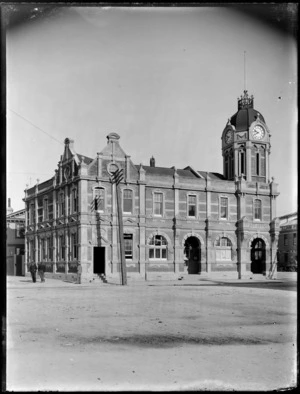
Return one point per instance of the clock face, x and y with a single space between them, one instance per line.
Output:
258 133
228 137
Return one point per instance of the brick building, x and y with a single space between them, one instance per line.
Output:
287 242
15 241
175 221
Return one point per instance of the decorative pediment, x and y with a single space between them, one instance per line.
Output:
129 220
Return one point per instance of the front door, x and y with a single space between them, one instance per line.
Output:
99 260
258 256
192 253
19 265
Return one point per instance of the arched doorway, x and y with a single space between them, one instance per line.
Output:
192 255
258 256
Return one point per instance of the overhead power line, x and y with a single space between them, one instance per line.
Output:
49 135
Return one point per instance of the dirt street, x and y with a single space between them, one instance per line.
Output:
151 336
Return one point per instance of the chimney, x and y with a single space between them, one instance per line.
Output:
9 208
152 162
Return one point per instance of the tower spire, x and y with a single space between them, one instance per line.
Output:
245 88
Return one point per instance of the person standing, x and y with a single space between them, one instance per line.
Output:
41 271
79 272
32 269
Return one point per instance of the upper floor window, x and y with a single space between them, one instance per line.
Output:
99 199
192 206
46 209
158 248
32 214
242 162
61 204
294 239
127 201
223 249
285 239
20 231
74 201
158 204
128 246
257 209
224 208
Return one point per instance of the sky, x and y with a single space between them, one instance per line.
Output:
166 79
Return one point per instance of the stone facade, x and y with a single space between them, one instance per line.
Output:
175 221
287 243
15 241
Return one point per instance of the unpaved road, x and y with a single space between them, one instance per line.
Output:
204 336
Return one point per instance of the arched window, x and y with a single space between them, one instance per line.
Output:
257 209
127 201
223 249
158 248
98 203
242 162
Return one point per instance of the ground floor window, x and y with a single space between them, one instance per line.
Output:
158 248
223 249
128 246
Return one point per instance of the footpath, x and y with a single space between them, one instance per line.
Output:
196 280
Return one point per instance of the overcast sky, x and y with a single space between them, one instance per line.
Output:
165 79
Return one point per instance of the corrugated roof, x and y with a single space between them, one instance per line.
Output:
186 173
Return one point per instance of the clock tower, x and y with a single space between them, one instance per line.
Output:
246 143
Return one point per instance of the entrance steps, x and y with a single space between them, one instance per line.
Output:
98 278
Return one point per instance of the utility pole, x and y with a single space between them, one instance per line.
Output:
117 178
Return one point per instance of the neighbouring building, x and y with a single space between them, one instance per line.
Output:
287 243
15 241
176 221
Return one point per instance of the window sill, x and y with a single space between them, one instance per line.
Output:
157 260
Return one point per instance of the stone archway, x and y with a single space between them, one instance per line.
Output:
192 255
258 256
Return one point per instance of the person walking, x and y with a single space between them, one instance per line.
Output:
79 272
41 271
32 269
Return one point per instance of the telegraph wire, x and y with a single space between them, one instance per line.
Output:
31 173
49 135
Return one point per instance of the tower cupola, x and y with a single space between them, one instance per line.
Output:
246 143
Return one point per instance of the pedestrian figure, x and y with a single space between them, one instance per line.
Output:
41 271
79 272
32 269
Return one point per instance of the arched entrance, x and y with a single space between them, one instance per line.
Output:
192 255
258 256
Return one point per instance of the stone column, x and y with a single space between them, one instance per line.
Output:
142 228
66 235
116 258
208 247
248 161
54 251
271 266
83 243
